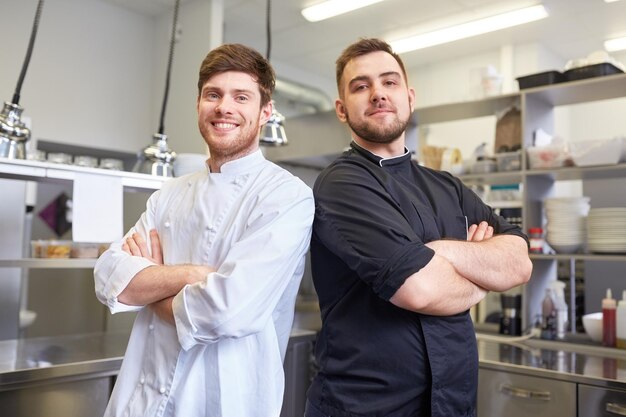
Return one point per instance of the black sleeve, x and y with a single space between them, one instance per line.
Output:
476 211
358 221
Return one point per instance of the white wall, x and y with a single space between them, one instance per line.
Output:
97 74
89 80
181 123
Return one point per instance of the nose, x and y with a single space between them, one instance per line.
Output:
378 94
223 106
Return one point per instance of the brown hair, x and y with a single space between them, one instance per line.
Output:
364 46
237 57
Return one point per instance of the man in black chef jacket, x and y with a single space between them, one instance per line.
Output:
394 264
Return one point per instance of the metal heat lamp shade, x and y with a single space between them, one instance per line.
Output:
13 133
273 133
156 159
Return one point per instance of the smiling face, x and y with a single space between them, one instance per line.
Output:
230 116
375 100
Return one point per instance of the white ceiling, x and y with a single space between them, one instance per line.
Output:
574 28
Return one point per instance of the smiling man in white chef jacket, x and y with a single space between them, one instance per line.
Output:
213 265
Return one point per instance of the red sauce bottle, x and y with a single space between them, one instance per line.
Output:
609 337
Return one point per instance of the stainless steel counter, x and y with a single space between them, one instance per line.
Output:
73 375
95 354
580 363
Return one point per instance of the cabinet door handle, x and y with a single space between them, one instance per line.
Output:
614 408
525 393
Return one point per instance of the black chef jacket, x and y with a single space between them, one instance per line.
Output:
372 219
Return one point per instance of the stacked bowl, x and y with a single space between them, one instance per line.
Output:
606 230
566 217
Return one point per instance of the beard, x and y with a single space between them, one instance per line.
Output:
378 133
231 148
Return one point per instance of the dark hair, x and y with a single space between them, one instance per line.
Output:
237 57
364 46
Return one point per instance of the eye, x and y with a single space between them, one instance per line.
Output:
390 82
211 96
242 99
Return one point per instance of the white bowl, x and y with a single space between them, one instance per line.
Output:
593 326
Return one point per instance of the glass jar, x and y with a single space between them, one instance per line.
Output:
535 239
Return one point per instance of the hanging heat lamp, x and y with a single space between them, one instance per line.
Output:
13 132
273 133
157 158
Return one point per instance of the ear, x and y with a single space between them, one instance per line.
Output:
198 104
340 109
266 112
411 99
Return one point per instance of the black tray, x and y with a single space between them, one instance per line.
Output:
539 79
590 71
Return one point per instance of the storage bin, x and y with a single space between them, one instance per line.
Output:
551 156
590 71
51 248
509 161
85 250
539 79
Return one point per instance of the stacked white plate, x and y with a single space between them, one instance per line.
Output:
566 223
606 230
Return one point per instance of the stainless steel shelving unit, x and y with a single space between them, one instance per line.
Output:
537 109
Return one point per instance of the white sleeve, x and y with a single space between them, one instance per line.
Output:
115 268
240 297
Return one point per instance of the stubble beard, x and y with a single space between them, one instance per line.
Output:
379 133
233 148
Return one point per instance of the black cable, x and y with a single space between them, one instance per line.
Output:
29 52
169 69
268 26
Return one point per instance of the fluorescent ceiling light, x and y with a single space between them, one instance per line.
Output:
332 8
617 44
610 1
469 29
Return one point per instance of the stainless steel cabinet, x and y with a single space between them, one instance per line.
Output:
512 395
600 402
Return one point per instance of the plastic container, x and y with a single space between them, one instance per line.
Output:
608 320
509 161
86 161
51 248
484 166
550 156
112 163
84 250
620 322
60 158
539 79
590 71
548 313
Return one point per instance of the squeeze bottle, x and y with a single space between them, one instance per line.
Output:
620 321
608 319
548 312
558 295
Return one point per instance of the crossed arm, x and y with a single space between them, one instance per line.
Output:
462 272
157 285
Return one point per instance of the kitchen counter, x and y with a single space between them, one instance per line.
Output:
573 362
36 360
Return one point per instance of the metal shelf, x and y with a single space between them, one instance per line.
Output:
49 172
579 256
581 173
49 263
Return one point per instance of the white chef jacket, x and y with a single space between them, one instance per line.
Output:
252 222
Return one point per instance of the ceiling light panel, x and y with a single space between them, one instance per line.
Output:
469 29
331 8
617 44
